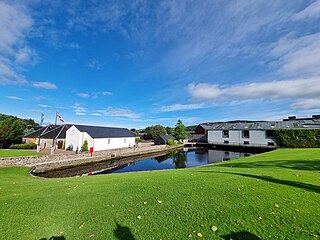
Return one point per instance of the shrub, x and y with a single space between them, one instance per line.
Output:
29 145
171 142
85 145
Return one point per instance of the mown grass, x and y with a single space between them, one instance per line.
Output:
17 153
274 195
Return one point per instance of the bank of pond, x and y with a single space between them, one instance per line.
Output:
181 158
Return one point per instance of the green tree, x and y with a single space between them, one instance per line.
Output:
169 130
85 145
155 131
180 131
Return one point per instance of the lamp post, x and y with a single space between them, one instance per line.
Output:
53 138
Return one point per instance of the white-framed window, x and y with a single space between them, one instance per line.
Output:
225 133
109 140
245 134
125 140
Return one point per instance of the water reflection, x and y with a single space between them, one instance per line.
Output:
180 160
184 158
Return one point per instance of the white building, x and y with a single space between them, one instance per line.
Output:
100 138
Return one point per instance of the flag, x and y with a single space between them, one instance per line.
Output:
42 118
60 118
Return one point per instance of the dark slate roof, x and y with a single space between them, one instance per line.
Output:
57 133
49 131
105 132
166 137
264 125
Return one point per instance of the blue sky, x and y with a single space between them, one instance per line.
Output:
140 63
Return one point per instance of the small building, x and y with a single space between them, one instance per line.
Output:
100 138
163 139
45 135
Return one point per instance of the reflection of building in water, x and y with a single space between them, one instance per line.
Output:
201 155
219 156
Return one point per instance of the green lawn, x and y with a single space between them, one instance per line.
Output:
275 195
17 153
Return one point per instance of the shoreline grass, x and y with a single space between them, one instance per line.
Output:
274 195
18 153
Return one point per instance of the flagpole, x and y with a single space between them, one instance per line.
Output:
55 123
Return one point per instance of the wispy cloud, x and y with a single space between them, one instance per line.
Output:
15 98
79 109
182 107
305 104
15 25
96 114
299 55
119 112
95 64
304 91
94 94
311 11
44 106
45 85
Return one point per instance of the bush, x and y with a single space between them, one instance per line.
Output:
171 142
85 145
29 145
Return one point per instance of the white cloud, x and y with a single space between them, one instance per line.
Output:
79 109
44 106
84 95
119 112
303 92
96 114
298 56
81 113
182 107
15 98
15 25
313 10
94 94
46 85
95 64
306 104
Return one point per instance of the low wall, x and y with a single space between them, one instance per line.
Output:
49 162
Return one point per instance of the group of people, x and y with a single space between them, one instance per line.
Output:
70 148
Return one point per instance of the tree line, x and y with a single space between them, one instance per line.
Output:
179 132
12 129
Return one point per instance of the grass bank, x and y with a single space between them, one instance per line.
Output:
268 196
17 153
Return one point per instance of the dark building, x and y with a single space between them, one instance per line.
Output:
163 139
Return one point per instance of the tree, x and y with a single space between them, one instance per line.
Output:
155 131
169 130
85 145
180 131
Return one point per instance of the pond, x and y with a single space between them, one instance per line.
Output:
182 158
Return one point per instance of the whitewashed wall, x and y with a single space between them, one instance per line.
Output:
102 143
257 137
76 138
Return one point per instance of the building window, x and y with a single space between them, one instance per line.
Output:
226 142
225 133
246 143
270 143
269 134
108 141
125 140
245 134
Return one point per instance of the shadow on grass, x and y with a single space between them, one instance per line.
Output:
311 165
305 186
54 238
243 235
123 233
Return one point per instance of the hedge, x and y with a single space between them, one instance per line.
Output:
297 138
30 145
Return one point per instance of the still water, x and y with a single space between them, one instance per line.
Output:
184 158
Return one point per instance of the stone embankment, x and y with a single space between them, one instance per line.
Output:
50 162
